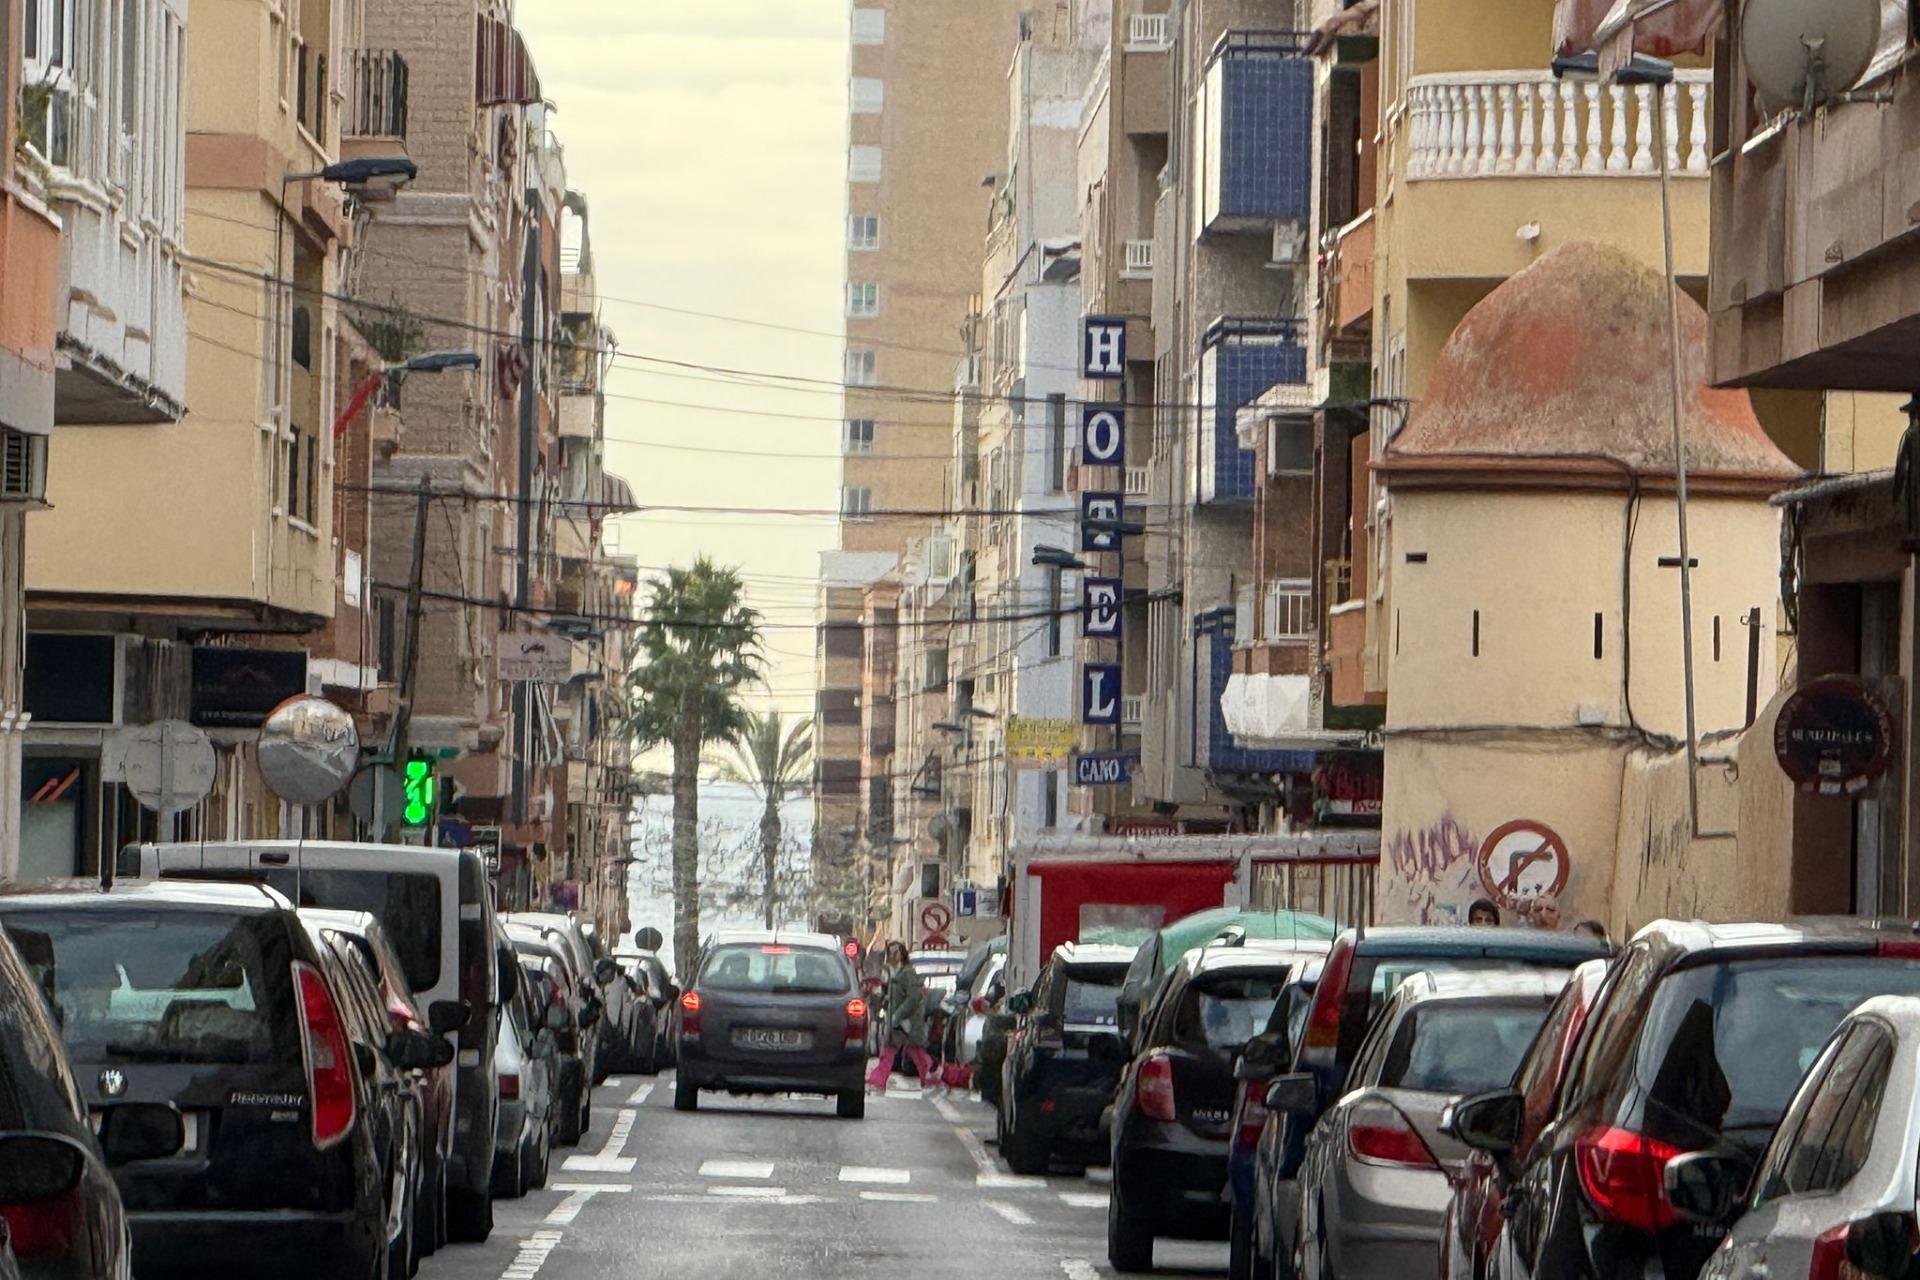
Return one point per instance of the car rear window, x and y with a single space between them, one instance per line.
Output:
1461 1046
1093 995
1374 978
1724 1046
169 986
1226 1011
775 967
407 904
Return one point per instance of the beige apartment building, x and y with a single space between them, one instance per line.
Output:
927 105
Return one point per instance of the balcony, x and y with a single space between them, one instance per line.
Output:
1256 121
1149 33
1241 360
1349 280
1286 611
1491 124
1138 481
378 105
1139 261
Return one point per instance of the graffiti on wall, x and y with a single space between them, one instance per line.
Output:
1438 872
1431 868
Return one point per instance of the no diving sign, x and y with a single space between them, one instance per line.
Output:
1523 862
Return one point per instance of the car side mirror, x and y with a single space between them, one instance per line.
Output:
1265 1054
1488 1122
1704 1186
1020 1003
413 1051
141 1131
1881 1247
38 1166
605 971
557 1018
448 1016
1293 1095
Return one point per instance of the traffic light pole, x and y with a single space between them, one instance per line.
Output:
409 662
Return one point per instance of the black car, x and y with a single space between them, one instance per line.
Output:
773 1012
1173 1111
1360 972
1696 1041
1063 1059
213 1000
662 993
392 1061
61 1216
576 1045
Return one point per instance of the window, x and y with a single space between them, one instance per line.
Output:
869 26
863 231
1050 799
856 501
1826 1137
859 435
860 368
866 95
863 164
1054 610
1056 442
863 300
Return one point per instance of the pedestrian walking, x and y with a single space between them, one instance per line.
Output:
904 1004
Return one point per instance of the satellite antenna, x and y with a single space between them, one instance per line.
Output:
1803 54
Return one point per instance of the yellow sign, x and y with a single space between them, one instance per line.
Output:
1049 740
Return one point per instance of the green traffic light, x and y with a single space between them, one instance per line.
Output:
419 786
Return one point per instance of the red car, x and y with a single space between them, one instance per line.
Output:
1471 1225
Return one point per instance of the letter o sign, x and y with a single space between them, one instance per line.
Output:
1103 437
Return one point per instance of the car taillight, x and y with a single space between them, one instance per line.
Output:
1624 1176
1907 949
49 1228
980 1005
1153 1088
509 1086
1323 1022
856 1021
690 1016
1252 1110
329 1061
1383 1136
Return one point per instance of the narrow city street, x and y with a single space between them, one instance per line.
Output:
781 1189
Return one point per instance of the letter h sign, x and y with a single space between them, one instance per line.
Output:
1103 355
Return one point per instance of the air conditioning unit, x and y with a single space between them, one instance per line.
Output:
1289 446
23 467
1289 244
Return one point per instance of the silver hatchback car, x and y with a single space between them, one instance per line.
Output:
1833 1193
1374 1185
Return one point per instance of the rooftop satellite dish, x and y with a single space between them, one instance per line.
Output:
1807 53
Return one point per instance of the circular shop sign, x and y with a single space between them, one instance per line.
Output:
1833 737
1523 862
934 917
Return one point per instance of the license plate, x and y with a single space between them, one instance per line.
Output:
772 1038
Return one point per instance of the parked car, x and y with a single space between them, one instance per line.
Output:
773 1012
1470 1228
1359 974
1173 1108
391 1063
1268 1054
523 1142
1697 1041
577 1043
1373 1185
437 908
646 1000
980 1001
1164 947
663 993
601 977
1063 1060
61 1215
213 1000
435 1084
1833 1193
954 1005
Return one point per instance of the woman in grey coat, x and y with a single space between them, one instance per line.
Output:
904 1004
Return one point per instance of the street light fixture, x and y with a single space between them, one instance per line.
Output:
1125 528
437 362
1045 557
981 713
948 726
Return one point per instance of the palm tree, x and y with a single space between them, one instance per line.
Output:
699 648
776 762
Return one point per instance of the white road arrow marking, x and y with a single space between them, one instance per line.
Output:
609 1160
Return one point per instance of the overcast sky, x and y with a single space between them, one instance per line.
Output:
708 137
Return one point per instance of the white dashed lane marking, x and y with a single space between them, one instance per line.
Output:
640 1096
745 1169
1007 1181
864 1173
899 1197
609 1160
749 1193
1018 1217
578 1194
531 1256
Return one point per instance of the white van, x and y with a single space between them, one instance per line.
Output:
436 906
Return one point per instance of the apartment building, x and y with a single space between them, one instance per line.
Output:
30 277
927 106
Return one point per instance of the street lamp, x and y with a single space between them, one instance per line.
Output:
1125 528
981 713
1046 557
433 362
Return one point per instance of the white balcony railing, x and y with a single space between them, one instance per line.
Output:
1132 709
1288 610
1137 481
1149 33
1139 263
1527 124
